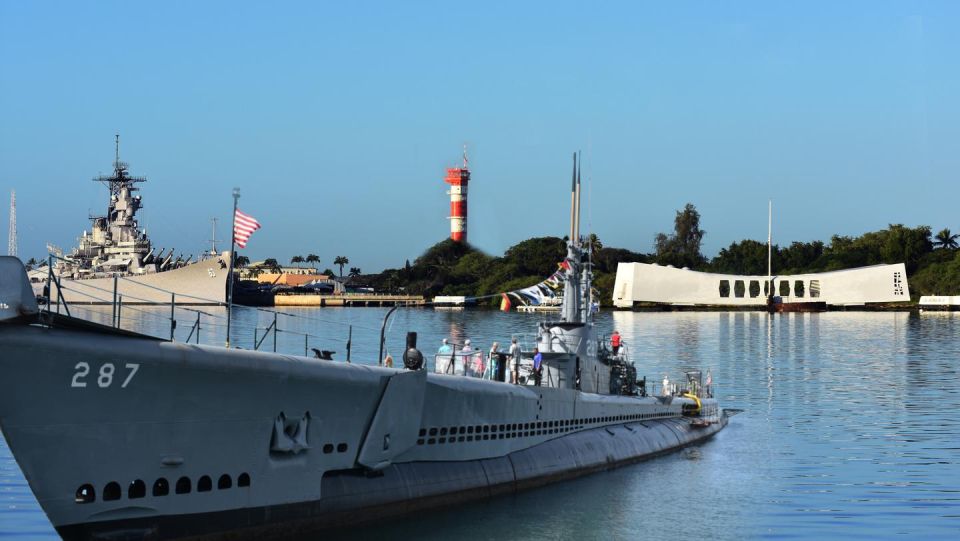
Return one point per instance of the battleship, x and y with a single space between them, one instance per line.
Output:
117 259
125 436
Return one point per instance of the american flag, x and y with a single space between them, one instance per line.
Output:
243 226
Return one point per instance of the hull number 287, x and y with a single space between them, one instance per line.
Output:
104 377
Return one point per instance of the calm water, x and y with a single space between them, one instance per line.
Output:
851 428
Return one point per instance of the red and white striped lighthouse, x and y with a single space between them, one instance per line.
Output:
458 178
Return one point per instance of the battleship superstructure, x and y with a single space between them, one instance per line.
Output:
124 436
116 245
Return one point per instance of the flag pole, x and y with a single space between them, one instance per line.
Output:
233 243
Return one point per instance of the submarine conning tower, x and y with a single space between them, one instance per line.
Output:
569 345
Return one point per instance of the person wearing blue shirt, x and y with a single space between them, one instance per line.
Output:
445 356
537 366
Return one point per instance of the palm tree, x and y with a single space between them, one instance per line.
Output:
272 264
595 245
313 260
945 240
241 261
341 261
355 271
296 260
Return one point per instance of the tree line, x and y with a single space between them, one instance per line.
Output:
932 261
273 266
450 268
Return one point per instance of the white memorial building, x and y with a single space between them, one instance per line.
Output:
652 284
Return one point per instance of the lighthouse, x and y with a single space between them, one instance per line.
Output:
458 178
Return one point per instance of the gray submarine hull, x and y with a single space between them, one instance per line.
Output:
268 444
355 496
124 436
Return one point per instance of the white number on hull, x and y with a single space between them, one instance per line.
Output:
82 369
105 376
132 367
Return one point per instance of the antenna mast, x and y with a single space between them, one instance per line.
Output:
12 240
769 239
213 238
577 214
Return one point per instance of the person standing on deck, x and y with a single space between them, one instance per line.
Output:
493 362
515 359
615 342
537 366
446 354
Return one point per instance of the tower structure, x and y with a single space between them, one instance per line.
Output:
458 178
213 238
12 239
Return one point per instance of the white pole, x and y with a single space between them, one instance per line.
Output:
233 242
769 239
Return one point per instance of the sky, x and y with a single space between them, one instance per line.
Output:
336 119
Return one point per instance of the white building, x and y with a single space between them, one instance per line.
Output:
654 284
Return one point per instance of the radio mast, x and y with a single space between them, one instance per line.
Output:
12 239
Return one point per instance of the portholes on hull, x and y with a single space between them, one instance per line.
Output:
85 494
205 484
161 487
111 492
184 486
137 489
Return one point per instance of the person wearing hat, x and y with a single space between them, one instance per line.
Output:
466 346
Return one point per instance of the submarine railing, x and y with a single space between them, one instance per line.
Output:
121 304
117 317
653 388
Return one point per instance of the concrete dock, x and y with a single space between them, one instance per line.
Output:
348 299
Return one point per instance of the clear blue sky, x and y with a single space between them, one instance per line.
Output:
337 119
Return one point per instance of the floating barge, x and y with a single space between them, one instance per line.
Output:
348 299
940 303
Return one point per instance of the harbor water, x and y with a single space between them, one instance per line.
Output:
850 426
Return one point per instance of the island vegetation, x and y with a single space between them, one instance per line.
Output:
450 268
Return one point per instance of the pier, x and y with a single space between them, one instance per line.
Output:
349 299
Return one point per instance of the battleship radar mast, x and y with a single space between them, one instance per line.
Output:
121 178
